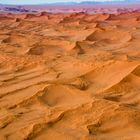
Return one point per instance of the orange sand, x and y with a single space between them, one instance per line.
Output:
70 77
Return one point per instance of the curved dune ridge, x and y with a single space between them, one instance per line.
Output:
70 76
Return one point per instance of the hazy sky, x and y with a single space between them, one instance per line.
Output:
42 1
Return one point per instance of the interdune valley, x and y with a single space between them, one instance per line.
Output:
72 76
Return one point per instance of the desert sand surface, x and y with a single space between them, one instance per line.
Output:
70 76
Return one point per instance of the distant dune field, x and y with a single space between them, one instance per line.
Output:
72 76
70 8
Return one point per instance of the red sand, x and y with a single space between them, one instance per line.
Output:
70 77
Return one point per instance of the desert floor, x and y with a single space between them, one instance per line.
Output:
70 76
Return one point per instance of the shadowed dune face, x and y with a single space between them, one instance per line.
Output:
70 76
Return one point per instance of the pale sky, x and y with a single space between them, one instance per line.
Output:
42 1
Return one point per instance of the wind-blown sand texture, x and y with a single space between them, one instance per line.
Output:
70 76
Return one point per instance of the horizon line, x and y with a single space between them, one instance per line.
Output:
83 2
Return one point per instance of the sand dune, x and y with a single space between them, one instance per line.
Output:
70 76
